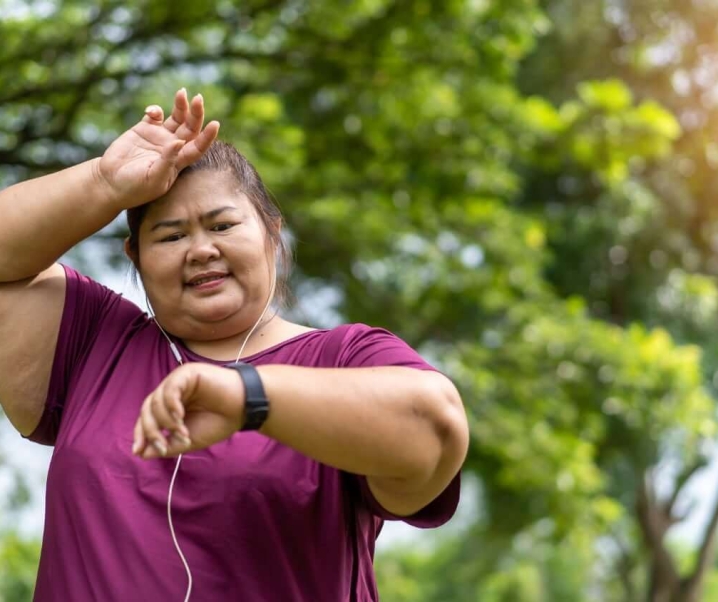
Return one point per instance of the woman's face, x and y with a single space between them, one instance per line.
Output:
204 258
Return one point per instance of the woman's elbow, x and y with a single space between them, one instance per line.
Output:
450 425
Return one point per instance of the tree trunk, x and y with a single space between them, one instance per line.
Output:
664 586
664 582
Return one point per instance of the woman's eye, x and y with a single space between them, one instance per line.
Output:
171 238
221 227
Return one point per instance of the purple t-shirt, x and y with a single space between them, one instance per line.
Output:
256 520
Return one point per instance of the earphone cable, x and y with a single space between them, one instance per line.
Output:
178 357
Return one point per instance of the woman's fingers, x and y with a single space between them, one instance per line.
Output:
150 427
171 151
138 442
160 429
194 149
163 411
169 411
186 119
153 114
195 117
191 126
165 169
187 140
179 111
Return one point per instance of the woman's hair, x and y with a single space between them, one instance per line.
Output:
223 157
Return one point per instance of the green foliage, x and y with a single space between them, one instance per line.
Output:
18 567
528 568
593 402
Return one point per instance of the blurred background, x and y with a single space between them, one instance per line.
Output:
524 190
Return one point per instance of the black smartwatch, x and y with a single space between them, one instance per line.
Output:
256 404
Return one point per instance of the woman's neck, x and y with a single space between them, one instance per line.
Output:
269 333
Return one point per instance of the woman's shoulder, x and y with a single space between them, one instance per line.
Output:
285 333
293 334
341 345
90 304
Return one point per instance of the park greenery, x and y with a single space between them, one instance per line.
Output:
522 189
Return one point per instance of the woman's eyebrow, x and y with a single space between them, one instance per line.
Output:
176 223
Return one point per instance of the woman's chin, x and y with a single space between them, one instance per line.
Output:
211 319
216 313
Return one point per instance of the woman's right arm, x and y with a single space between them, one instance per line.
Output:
30 314
41 219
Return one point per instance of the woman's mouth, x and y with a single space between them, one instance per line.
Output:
207 282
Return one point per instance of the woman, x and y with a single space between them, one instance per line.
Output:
294 457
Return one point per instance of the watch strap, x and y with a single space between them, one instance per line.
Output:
256 404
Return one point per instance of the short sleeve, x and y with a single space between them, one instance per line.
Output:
364 346
88 306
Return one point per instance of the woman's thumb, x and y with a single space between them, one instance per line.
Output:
172 151
165 168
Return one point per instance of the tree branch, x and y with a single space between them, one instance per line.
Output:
56 87
55 46
706 556
681 482
654 524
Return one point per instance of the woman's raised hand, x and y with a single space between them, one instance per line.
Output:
144 162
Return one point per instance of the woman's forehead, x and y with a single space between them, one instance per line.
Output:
199 193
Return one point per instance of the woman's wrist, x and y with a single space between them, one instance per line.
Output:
101 190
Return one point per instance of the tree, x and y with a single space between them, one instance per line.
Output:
443 180
653 259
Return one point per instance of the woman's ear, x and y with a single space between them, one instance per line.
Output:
131 254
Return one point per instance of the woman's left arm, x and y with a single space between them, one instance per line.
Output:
404 429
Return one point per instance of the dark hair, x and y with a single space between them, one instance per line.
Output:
223 157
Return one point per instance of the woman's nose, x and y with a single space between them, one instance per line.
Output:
202 249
